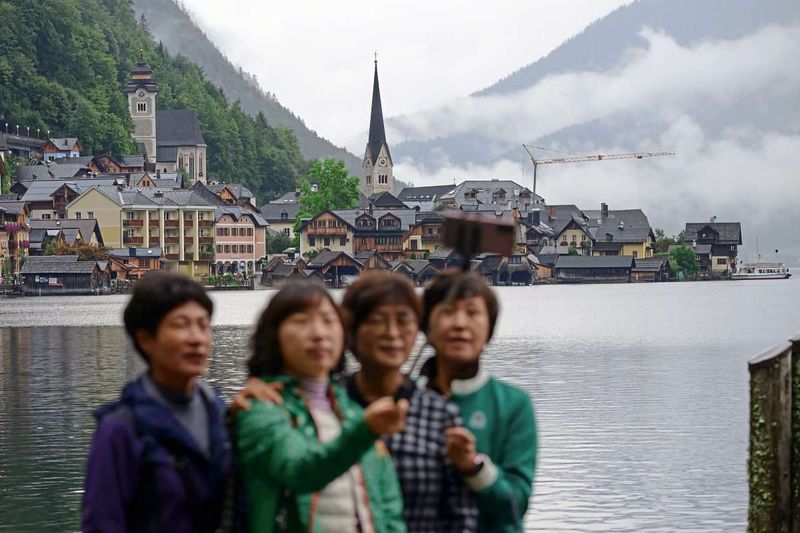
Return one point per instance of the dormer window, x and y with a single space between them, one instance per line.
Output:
141 107
284 215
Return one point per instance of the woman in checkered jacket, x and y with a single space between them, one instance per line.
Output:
382 316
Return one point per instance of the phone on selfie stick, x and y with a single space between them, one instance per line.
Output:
472 234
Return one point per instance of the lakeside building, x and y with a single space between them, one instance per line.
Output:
66 230
130 264
621 232
14 236
240 240
281 214
722 239
593 269
179 222
64 274
61 148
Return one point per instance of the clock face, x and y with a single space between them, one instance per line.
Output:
140 94
383 162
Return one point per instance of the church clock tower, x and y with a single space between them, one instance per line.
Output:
377 166
142 91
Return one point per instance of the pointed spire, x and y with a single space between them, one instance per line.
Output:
377 133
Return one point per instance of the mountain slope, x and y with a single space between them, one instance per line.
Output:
174 27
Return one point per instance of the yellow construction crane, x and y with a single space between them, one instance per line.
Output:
584 158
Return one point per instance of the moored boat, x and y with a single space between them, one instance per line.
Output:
762 271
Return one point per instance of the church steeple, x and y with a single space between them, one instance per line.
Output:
377 165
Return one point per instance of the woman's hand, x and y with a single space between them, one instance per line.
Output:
258 389
460 449
384 416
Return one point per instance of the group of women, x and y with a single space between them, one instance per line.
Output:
306 446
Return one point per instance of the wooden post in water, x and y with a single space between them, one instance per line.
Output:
770 459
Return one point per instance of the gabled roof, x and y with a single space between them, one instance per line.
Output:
729 232
485 191
57 264
64 143
14 207
272 211
423 194
386 200
594 261
135 252
650 264
86 226
323 258
238 191
237 213
41 190
178 128
620 226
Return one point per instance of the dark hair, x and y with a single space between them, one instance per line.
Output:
267 357
371 290
456 285
154 296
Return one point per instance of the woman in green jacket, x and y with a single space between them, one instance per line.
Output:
314 461
496 450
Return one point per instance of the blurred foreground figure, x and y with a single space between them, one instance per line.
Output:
382 314
496 450
160 457
313 461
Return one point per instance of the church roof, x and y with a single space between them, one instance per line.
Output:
178 128
377 132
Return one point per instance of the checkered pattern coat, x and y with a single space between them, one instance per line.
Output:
435 498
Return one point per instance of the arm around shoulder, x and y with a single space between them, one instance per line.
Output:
268 445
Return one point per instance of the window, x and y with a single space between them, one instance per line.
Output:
45 216
219 248
78 215
227 248
141 107
235 232
312 241
414 244
326 241
722 260
635 254
342 241
130 215
219 232
286 231
369 179
90 214
235 248
284 215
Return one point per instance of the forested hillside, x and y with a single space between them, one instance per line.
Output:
63 67
172 25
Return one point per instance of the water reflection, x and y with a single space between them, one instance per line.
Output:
640 393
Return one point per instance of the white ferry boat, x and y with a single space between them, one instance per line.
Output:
762 271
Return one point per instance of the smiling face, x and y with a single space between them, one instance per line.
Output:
178 351
458 331
386 337
312 341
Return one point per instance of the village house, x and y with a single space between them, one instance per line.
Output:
73 231
61 148
130 264
281 214
234 195
621 232
424 236
14 236
724 239
48 199
326 231
426 198
534 234
240 238
501 195
575 234
651 269
381 231
181 223
419 271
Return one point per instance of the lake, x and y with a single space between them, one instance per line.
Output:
640 391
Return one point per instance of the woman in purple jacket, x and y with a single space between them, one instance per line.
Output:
160 458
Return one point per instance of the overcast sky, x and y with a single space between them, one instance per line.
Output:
428 52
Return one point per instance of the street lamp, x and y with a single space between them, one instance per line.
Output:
37 133
29 131
6 127
17 129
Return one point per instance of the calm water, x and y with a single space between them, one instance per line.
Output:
640 393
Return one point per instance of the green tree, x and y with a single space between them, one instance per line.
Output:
684 259
279 243
573 250
663 242
335 189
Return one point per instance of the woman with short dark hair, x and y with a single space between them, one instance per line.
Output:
496 449
313 461
382 313
160 457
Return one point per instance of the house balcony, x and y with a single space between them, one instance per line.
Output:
133 223
392 248
171 223
188 223
132 240
326 231
431 238
153 223
171 240
188 240
154 241
205 223
172 257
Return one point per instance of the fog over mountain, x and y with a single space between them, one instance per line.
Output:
716 81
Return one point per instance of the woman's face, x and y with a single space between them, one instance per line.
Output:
180 347
312 341
458 331
386 337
